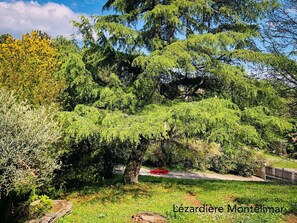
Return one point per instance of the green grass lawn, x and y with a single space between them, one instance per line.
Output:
281 162
114 202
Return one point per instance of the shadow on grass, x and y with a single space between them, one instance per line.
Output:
111 190
117 194
177 184
291 207
244 193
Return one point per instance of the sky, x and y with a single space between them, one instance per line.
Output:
52 17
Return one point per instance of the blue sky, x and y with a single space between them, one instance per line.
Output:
53 17
85 6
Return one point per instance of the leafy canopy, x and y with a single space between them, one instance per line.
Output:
28 67
175 70
27 145
215 120
179 52
157 46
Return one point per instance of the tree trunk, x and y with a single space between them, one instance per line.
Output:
108 170
108 163
134 162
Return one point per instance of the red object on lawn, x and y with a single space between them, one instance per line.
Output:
159 171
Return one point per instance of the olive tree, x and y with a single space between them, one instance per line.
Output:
27 138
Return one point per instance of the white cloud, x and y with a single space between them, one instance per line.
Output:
21 17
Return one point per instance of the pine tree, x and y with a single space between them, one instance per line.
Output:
178 51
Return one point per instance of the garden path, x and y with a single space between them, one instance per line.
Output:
144 171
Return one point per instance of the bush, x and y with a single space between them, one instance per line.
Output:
39 205
29 66
185 154
27 136
246 162
200 155
243 162
222 164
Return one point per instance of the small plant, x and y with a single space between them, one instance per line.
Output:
39 205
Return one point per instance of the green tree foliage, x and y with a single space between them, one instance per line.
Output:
170 69
270 128
80 86
28 67
212 120
89 82
190 44
279 36
85 149
215 120
27 139
281 73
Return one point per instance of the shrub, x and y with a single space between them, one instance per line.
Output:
185 154
246 162
27 138
39 205
201 155
243 162
222 163
28 66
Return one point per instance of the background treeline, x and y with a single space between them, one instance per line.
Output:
181 83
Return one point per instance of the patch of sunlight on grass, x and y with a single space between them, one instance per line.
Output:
280 162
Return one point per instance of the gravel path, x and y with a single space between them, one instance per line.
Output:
144 171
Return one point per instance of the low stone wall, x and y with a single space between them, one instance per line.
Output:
272 173
280 174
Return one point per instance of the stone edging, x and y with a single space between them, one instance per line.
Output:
60 209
